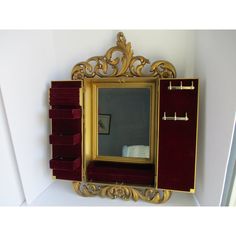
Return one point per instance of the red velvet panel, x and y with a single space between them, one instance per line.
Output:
66 130
65 164
65 84
65 139
66 127
68 175
66 151
111 172
65 113
177 139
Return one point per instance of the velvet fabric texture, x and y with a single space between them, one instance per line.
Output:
68 92
65 113
65 164
64 96
126 173
66 151
66 84
177 139
71 101
66 141
68 175
66 126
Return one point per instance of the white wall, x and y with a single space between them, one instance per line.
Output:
27 62
11 191
215 65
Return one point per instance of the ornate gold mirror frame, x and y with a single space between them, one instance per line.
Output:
118 64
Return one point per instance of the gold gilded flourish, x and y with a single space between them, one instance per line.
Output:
119 61
123 192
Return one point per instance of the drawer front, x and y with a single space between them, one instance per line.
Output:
65 139
65 113
66 151
69 92
64 101
64 96
65 164
68 175
66 84
66 126
178 106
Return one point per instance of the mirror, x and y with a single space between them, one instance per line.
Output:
124 122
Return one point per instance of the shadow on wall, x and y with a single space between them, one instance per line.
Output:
201 136
230 173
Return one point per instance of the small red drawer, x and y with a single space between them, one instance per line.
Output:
66 126
66 151
64 101
65 139
65 164
65 113
64 91
68 175
126 173
66 84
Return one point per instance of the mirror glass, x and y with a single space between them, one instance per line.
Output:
124 122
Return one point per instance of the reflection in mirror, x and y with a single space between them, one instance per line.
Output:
123 122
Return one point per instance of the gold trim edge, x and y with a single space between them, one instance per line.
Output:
124 192
120 61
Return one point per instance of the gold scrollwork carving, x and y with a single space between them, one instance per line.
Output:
123 192
122 65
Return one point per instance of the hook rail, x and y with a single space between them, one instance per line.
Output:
175 117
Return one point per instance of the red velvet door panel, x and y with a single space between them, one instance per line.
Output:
66 140
178 108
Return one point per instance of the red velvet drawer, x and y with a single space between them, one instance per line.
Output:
68 175
64 92
65 164
66 84
65 113
64 96
132 180
65 139
66 126
126 173
64 101
66 151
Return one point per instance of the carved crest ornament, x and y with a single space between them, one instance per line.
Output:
117 62
122 65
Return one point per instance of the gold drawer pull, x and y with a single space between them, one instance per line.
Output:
180 87
175 117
